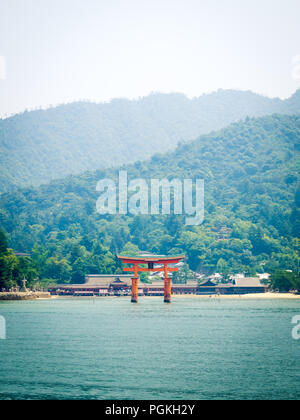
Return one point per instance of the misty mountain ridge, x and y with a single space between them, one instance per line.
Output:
39 146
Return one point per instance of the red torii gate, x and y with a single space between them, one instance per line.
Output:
151 261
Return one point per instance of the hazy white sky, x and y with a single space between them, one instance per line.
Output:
55 51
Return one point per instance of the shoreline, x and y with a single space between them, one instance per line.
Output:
19 296
267 295
22 296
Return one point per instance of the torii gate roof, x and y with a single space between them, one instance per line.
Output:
155 259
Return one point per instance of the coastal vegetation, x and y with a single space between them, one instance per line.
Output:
252 211
14 269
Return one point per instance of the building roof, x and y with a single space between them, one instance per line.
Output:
264 276
207 283
248 282
157 259
77 286
104 280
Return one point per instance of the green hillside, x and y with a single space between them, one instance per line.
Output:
252 202
38 146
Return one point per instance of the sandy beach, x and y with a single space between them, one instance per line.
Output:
268 295
253 296
46 296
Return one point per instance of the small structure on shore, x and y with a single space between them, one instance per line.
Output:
24 288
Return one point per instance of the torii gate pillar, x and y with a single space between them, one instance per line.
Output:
167 285
134 289
135 284
167 290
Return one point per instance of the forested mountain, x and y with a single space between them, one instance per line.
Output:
38 146
252 208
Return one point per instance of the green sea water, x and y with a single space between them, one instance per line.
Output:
108 348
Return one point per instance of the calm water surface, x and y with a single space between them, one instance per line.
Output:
110 349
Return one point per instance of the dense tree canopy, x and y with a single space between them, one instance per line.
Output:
252 207
284 281
13 269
